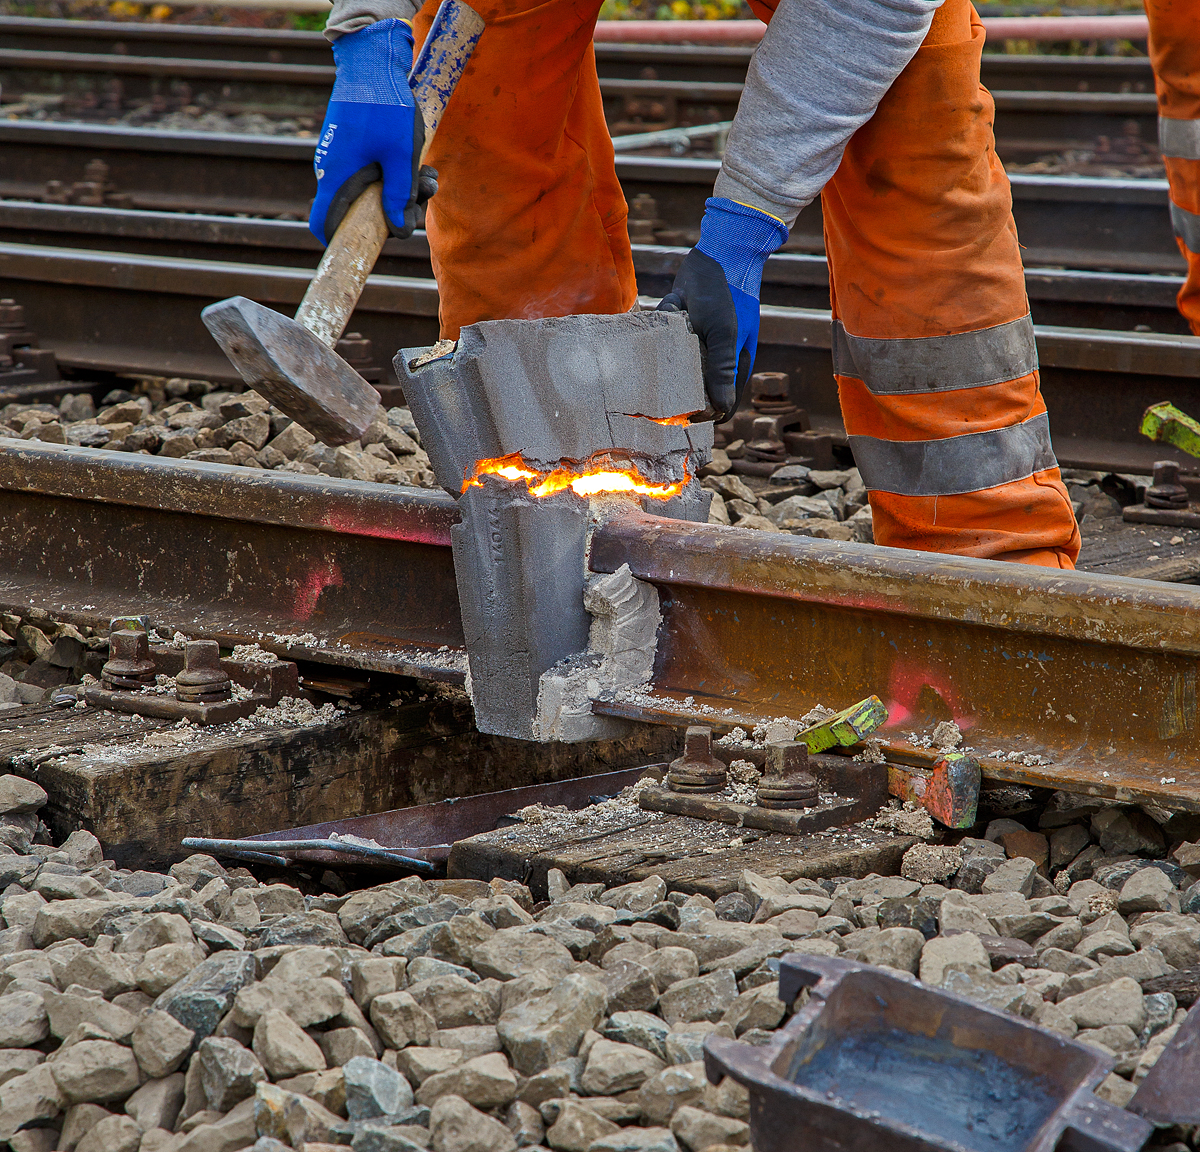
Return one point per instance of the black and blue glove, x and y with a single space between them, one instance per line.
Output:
718 286
373 130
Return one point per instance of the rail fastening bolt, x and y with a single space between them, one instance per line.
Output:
129 665
202 680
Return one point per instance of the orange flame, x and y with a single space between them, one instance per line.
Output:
599 474
674 421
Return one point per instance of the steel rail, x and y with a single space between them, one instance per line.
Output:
614 59
123 312
344 573
319 76
1065 297
1089 681
1035 28
183 41
126 312
1105 224
1094 675
1026 122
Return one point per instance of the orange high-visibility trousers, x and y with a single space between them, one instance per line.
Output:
531 221
933 345
1175 54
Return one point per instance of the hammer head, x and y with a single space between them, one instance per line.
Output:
288 365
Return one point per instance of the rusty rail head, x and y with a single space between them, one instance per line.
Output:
1143 614
287 499
318 568
1059 679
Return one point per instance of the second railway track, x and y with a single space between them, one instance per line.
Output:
1059 296
107 312
1075 222
690 62
1028 123
101 70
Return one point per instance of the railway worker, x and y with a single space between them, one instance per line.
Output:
876 106
1175 54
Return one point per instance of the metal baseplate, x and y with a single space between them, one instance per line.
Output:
411 839
945 782
170 708
1188 517
851 791
235 688
802 789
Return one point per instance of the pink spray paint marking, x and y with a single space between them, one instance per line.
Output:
327 575
905 682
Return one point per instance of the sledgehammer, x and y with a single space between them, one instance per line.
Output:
292 362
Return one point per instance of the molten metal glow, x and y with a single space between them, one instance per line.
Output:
675 421
600 474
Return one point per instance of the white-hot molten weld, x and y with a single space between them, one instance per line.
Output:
599 473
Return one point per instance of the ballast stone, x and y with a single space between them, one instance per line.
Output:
228 1072
455 1126
23 1020
160 1043
19 796
205 994
93 1071
540 1032
112 1134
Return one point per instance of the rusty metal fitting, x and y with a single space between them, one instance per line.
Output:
765 443
770 393
203 680
12 315
355 348
786 781
643 218
697 770
1166 492
129 665
88 194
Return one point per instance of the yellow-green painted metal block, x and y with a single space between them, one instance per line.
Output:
849 726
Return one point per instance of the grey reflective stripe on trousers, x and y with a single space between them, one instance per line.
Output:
937 363
1187 227
958 464
1180 138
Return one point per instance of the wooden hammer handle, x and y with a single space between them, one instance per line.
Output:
351 253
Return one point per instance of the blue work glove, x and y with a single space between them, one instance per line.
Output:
373 129
717 286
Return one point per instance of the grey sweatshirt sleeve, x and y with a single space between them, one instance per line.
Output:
818 75
351 15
